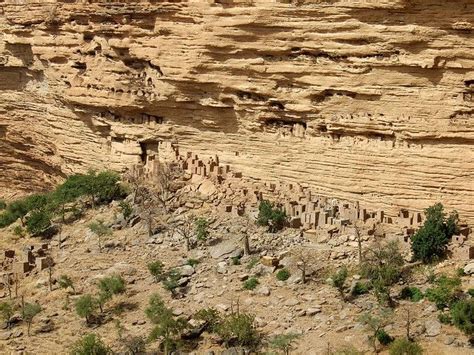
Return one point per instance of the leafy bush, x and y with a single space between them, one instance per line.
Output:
405 347
283 275
3 205
38 222
445 318
235 260
19 231
361 288
238 329
85 307
6 312
201 228
28 312
431 240
271 216
171 282
463 316
108 287
192 262
210 316
65 282
470 292
167 327
156 269
339 279
251 283
460 272
446 292
100 230
90 344
413 294
126 209
383 337
283 342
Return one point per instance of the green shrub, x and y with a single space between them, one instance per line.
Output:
156 269
85 307
361 288
283 275
19 231
462 315
252 262
201 228
171 282
413 294
446 292
271 216
238 329
6 312
3 205
471 292
90 344
339 279
430 241
283 342
383 337
460 272
210 316
405 347
445 318
28 312
126 209
167 327
251 283
235 260
38 222
65 282
108 287
192 262
100 230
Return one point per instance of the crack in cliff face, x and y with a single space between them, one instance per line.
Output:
350 97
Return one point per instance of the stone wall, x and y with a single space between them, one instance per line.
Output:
368 101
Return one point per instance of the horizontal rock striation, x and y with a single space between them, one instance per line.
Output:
362 100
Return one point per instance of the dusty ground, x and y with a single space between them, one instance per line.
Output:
282 311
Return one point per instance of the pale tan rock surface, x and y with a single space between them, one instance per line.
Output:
363 100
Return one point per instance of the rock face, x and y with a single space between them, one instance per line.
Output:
363 100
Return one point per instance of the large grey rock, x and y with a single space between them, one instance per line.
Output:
186 270
433 328
225 249
222 267
263 290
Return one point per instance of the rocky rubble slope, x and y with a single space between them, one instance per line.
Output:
363 100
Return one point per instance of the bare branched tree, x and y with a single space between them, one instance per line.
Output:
306 261
186 230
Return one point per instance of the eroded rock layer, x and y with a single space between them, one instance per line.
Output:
363 100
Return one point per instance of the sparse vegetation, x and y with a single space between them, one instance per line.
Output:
411 293
126 209
66 282
156 269
201 228
108 287
100 230
283 275
90 344
462 315
339 279
361 288
272 217
171 281
430 241
192 262
283 342
6 312
376 323
238 329
168 328
251 283
405 347
85 307
29 312
211 317
446 291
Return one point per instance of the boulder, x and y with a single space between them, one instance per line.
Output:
222 267
263 290
225 249
433 327
186 270
269 261
469 269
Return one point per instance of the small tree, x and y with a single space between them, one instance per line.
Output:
339 279
126 209
135 345
201 228
463 317
66 282
238 329
90 344
271 216
171 282
167 326
28 312
283 342
305 259
100 230
6 312
186 230
383 267
108 287
405 347
85 307
375 324
431 240
156 269
38 221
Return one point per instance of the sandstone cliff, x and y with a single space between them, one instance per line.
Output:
363 100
